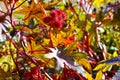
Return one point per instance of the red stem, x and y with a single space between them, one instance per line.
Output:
6 5
88 44
3 12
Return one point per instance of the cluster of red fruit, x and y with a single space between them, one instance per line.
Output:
33 74
55 19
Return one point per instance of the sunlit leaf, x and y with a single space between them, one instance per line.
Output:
89 77
56 39
34 48
99 66
79 55
115 54
98 3
7 63
107 68
62 38
32 11
99 75
86 64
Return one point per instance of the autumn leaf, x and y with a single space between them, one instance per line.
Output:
56 39
38 52
33 49
89 76
6 75
99 2
31 11
34 10
7 63
99 66
62 38
99 75
115 54
67 41
86 63
107 68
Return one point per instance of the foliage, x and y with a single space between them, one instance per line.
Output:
59 39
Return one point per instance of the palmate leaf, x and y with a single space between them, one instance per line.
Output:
33 48
62 38
32 11
37 51
56 39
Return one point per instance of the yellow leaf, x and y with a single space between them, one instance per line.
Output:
98 3
99 75
99 66
7 63
56 39
34 10
85 63
46 41
79 56
51 63
115 54
34 48
107 68
89 77
31 11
